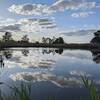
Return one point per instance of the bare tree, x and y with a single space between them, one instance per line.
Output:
25 39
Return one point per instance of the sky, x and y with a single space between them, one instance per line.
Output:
74 20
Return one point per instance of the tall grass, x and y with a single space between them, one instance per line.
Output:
18 93
91 88
23 92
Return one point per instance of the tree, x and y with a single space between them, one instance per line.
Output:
59 41
7 37
97 34
25 39
96 39
43 40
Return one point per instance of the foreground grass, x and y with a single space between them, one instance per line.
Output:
91 88
22 93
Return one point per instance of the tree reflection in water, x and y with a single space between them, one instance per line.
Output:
7 54
1 61
96 56
25 52
53 51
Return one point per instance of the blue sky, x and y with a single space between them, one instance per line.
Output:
62 16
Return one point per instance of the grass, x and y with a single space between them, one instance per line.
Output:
22 93
91 88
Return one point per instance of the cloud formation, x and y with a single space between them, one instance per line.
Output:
27 25
29 9
82 14
59 5
79 32
15 28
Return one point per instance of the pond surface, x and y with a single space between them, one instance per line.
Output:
52 72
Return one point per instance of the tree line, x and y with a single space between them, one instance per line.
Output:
7 38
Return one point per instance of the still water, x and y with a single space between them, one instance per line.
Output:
52 72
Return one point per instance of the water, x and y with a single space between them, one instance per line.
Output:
52 72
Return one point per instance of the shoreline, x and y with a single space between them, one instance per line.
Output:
87 46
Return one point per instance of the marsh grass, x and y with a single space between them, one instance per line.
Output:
18 93
91 88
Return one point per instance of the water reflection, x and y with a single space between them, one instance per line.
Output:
53 51
7 53
96 56
54 68
1 61
34 59
72 80
59 81
25 52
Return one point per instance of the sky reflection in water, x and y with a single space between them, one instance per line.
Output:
57 69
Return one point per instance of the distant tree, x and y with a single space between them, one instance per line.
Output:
53 39
43 40
97 34
7 37
46 40
59 41
96 39
25 39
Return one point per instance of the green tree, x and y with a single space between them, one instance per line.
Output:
7 37
59 40
97 34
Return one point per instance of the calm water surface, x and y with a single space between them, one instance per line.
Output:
52 72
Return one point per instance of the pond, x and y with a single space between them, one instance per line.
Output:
51 72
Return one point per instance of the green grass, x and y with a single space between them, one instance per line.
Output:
91 88
18 93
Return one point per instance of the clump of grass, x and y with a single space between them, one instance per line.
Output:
91 87
1 96
49 98
18 93
22 93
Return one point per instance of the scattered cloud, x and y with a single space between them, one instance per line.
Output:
82 14
30 9
73 5
27 25
11 28
59 5
59 81
79 73
79 32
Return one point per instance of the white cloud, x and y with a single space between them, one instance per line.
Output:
30 9
59 5
27 25
11 28
73 5
8 21
82 14
59 81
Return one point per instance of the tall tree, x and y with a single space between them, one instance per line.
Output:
97 34
59 41
7 37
